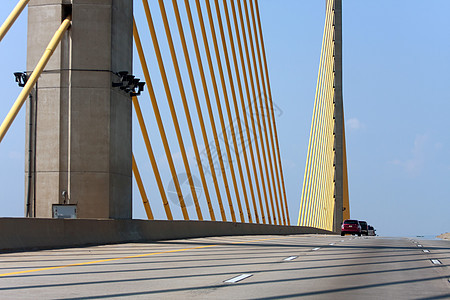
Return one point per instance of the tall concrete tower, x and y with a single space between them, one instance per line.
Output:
340 176
80 146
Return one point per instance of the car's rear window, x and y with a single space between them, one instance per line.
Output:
350 222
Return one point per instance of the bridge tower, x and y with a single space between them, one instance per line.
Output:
80 146
341 206
325 200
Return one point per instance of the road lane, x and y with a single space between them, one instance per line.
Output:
338 268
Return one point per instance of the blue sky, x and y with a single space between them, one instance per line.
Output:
396 62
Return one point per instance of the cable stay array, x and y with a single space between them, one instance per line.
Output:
229 92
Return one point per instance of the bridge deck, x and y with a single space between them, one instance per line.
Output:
280 267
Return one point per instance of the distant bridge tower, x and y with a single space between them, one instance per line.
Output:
325 200
81 153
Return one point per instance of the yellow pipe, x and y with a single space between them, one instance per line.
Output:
273 114
12 17
264 128
227 103
244 36
241 95
137 109
258 51
34 76
162 132
187 113
222 122
210 113
140 185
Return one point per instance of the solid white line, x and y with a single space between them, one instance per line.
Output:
426 251
238 278
436 261
290 258
419 246
315 249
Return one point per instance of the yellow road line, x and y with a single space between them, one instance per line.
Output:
132 256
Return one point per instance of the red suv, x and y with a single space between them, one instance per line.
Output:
351 227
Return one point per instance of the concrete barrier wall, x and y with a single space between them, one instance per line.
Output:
26 233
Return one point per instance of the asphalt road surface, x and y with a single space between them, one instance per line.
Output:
246 267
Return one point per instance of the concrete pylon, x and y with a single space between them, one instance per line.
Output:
81 150
338 120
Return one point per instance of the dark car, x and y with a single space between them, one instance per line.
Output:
351 227
364 229
371 231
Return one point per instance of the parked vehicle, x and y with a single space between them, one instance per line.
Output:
371 230
364 229
351 227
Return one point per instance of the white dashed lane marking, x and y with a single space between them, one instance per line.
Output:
238 278
290 258
436 261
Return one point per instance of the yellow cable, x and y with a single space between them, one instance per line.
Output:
265 139
236 107
230 118
273 114
188 118
137 176
222 122
265 95
151 155
162 131
244 74
210 112
241 95
250 77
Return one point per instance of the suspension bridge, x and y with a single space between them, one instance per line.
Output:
204 64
